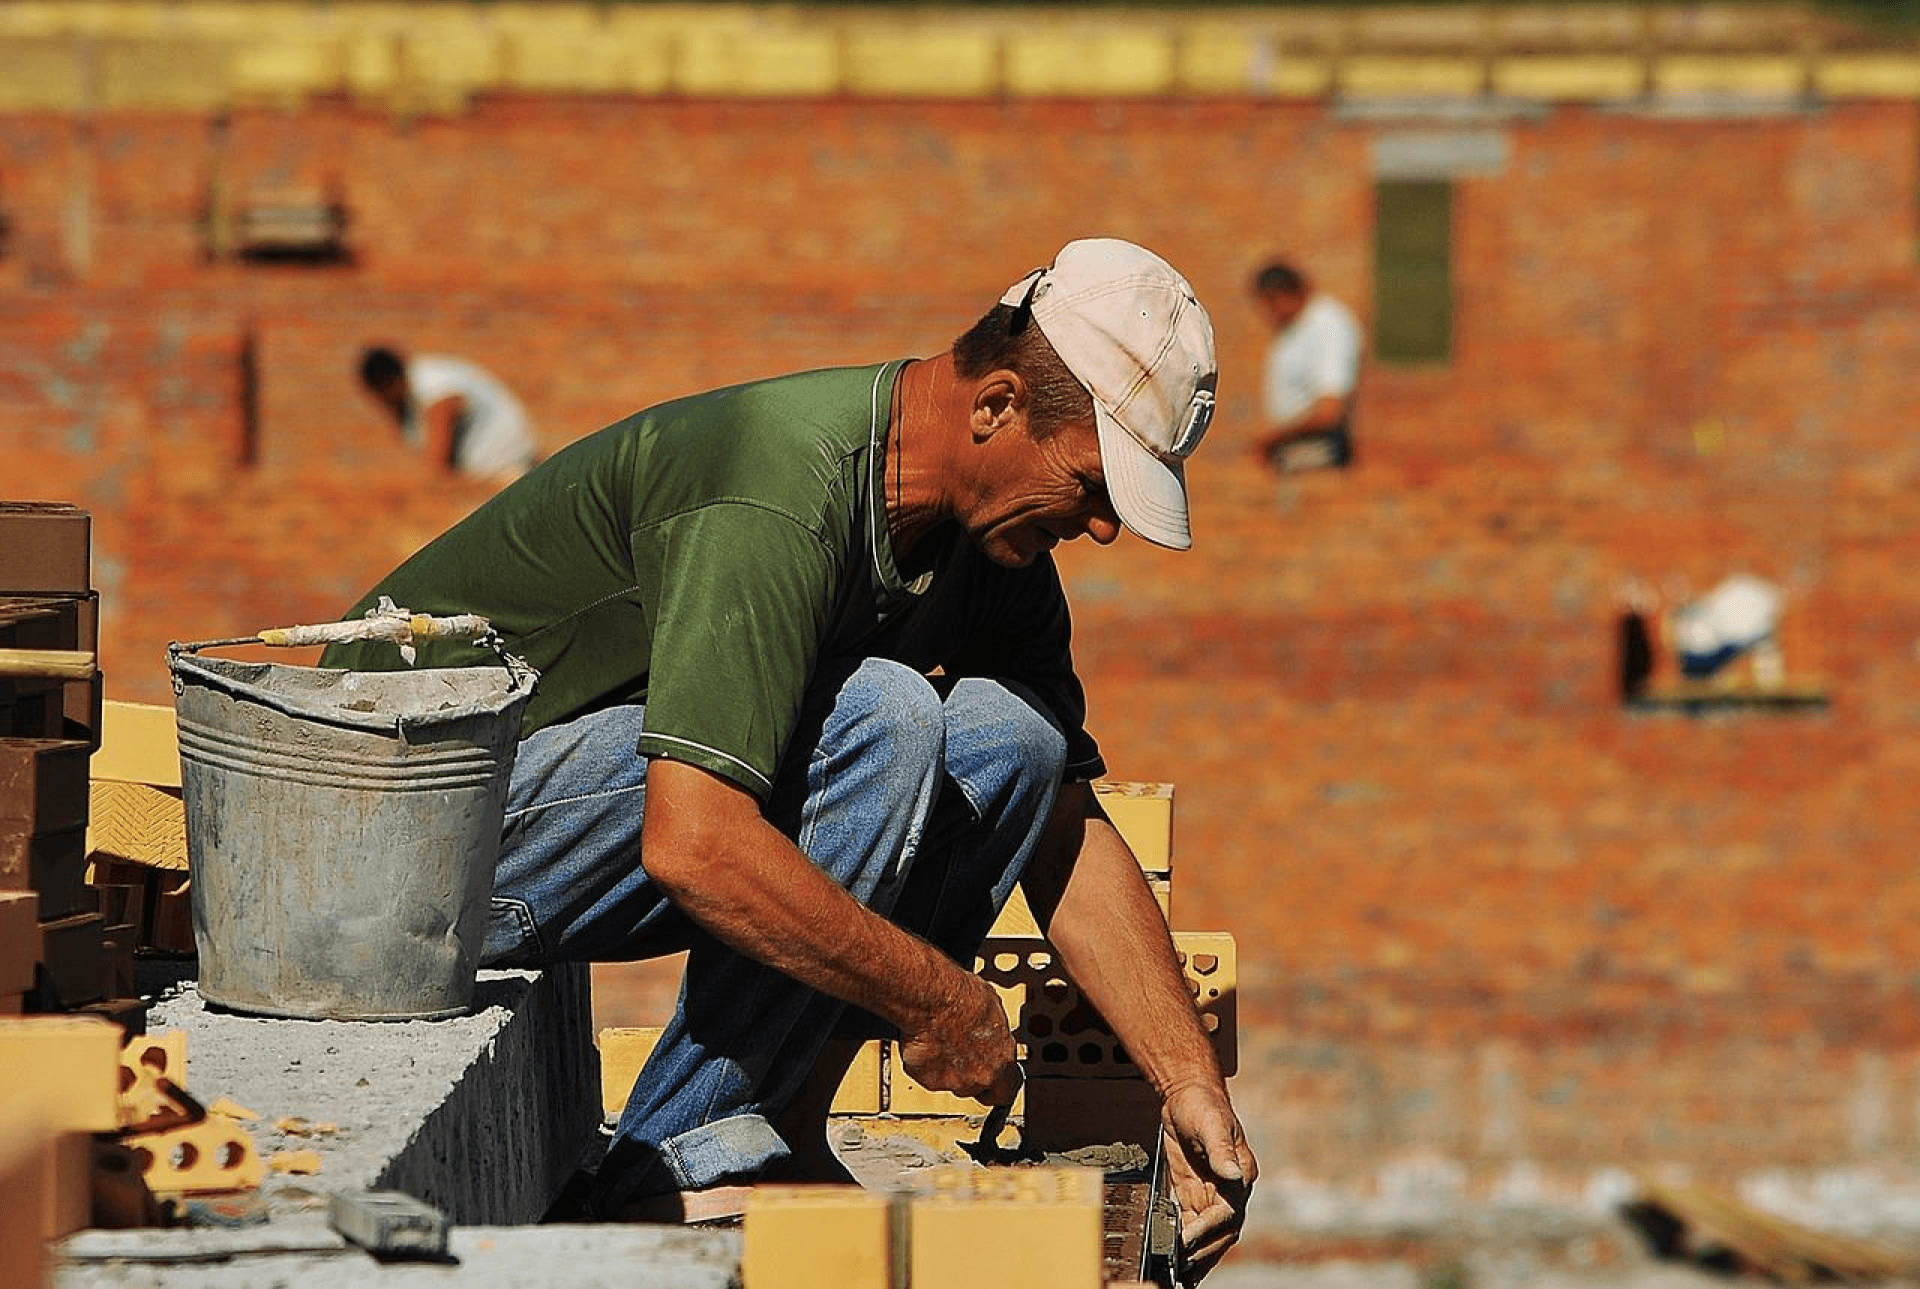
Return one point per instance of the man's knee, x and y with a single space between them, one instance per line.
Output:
893 709
1004 721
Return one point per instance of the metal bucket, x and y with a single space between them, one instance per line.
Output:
342 829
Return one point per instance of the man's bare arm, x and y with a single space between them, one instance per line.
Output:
705 842
1087 892
437 424
1324 413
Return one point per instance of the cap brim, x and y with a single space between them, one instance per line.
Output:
1149 495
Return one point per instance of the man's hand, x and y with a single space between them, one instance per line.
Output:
1213 1173
964 1046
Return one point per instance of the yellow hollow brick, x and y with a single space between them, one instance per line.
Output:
1869 75
622 1052
1593 76
1391 76
1012 1228
1761 77
204 1158
775 60
144 1062
1058 1031
644 49
137 822
67 1202
163 73
561 60
906 1095
1097 59
451 54
40 73
1143 815
139 743
1017 917
64 1068
26 1161
816 1237
933 59
860 1090
370 62
1222 58
159 53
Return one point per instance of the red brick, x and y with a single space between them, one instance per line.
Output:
44 546
43 783
53 864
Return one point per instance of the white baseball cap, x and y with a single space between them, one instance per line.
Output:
1132 331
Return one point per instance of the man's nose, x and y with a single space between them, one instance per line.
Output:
1104 527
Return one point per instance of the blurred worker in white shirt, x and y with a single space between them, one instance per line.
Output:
457 411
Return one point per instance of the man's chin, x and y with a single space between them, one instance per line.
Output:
1009 554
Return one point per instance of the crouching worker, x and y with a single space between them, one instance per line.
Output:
807 710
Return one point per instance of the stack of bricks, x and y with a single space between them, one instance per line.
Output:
953 1228
137 828
64 1076
59 952
1082 1089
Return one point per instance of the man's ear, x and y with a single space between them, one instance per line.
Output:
999 400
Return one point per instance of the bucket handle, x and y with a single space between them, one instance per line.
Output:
385 621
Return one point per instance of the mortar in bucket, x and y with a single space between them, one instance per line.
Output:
342 828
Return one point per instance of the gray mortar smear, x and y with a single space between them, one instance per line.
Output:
377 1081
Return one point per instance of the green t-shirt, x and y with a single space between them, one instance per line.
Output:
705 555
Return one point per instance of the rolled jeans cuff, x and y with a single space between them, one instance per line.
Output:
741 1145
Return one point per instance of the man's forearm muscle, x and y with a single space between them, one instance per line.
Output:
718 859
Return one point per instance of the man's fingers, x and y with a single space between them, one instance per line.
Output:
1249 1166
1206 1236
1214 1145
1196 1266
1214 1220
1214 1171
1203 1242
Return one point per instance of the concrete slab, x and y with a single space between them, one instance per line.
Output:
304 1251
484 1116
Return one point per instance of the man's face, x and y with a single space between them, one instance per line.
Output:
1281 307
1042 492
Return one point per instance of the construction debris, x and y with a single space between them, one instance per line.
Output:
390 1224
210 1157
1710 1228
303 1163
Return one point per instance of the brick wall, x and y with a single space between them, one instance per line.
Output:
1486 916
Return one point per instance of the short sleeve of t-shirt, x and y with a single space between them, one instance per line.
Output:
735 630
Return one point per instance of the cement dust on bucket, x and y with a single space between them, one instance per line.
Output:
342 826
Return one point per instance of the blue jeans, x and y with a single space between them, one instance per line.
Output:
922 798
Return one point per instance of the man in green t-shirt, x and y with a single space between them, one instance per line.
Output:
807 710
